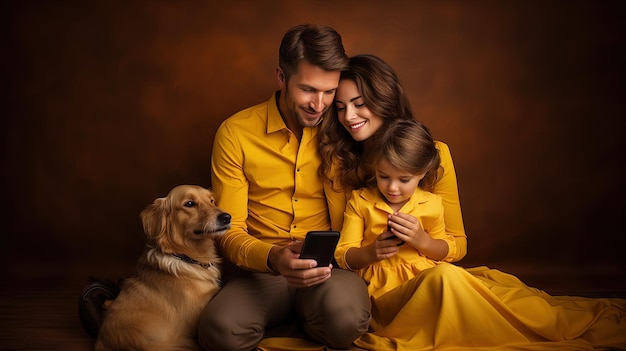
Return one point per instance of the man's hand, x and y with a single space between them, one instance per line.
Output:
299 273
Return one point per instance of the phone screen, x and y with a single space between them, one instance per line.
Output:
320 246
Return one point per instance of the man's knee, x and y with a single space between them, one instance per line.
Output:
339 312
343 326
218 332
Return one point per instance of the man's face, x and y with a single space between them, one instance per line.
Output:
307 95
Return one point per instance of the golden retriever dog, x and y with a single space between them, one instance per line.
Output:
158 308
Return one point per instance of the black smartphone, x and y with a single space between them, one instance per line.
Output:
393 236
389 237
320 246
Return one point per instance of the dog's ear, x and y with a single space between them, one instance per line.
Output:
154 218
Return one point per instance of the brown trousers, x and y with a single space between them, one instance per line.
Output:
333 313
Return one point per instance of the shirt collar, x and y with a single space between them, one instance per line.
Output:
374 196
275 122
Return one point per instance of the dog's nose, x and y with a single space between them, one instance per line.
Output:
224 218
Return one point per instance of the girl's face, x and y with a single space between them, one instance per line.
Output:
358 120
396 185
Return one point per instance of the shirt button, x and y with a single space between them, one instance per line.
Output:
296 199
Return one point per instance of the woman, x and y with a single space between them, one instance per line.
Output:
368 98
432 304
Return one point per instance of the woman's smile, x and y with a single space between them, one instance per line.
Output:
356 126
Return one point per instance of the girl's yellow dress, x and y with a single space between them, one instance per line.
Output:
421 304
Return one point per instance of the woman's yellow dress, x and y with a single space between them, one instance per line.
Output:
421 304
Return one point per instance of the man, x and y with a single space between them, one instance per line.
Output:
264 173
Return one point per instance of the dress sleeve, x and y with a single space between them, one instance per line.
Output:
447 188
230 186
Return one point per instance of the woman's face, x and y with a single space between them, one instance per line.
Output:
358 120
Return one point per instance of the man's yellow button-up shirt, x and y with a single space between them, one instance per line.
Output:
267 180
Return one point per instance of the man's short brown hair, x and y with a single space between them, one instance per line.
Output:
319 45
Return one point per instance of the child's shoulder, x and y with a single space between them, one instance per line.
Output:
423 195
368 194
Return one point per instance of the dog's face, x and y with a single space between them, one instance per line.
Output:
187 215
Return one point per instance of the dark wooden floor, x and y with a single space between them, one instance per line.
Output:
39 313
39 304
41 319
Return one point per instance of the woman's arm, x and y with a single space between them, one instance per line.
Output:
447 188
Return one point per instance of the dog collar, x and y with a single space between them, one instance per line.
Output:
190 260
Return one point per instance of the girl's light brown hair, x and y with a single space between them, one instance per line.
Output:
409 147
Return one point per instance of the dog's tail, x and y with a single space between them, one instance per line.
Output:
91 300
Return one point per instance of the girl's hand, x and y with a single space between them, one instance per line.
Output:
408 229
385 246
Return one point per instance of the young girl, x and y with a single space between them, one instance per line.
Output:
381 226
422 303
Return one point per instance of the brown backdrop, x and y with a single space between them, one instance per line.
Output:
111 104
